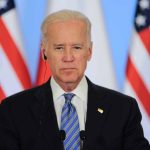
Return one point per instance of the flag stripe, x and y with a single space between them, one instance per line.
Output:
145 117
14 56
12 84
140 58
13 29
138 85
2 95
145 37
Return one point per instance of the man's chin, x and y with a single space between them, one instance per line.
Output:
72 80
68 83
69 79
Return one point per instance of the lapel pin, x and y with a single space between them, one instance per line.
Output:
100 110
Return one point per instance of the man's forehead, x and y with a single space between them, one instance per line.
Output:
70 44
67 22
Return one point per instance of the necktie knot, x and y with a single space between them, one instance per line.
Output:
68 97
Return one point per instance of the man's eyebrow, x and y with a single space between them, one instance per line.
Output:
78 44
61 44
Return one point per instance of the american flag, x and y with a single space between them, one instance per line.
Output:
138 65
14 75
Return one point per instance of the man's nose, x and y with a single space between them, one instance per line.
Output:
68 55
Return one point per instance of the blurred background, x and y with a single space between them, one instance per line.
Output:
121 46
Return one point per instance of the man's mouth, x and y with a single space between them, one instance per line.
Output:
68 69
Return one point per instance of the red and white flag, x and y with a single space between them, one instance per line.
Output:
14 75
138 66
43 72
100 69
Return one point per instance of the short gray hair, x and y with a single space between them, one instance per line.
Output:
64 15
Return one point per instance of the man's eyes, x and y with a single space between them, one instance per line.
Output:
73 48
77 47
59 48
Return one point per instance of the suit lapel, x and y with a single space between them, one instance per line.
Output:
97 110
44 111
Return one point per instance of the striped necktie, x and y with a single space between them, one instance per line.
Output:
70 124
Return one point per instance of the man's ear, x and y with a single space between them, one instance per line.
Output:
42 47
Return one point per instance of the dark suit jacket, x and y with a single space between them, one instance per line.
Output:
28 121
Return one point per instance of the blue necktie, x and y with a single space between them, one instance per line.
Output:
70 124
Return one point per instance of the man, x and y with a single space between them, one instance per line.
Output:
52 116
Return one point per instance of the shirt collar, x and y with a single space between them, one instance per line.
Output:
80 91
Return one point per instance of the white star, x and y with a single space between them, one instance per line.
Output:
140 20
3 3
144 4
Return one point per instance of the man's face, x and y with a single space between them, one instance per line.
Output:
68 50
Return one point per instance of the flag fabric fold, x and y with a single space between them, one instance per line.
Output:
14 75
137 82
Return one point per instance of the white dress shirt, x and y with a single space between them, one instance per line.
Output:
79 100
